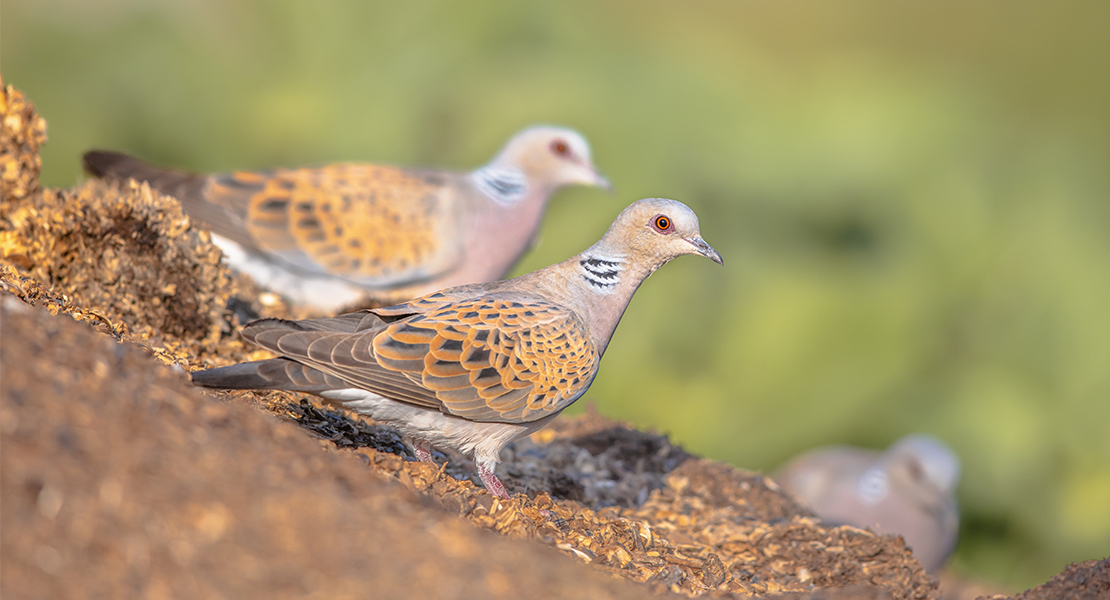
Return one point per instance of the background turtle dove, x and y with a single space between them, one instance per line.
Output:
475 367
909 489
325 236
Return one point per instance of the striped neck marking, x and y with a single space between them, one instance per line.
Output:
504 186
873 486
602 273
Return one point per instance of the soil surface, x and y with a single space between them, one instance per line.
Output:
119 479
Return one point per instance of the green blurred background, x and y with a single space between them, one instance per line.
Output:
913 199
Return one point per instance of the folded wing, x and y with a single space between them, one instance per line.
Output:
509 358
375 226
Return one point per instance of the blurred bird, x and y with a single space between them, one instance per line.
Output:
325 236
909 489
477 366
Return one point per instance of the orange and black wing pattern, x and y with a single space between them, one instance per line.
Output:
494 359
507 358
376 226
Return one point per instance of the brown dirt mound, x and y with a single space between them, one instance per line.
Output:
121 481
1080 581
121 248
22 133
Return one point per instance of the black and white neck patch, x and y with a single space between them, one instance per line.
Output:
873 486
504 186
602 273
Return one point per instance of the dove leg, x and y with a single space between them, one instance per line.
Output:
422 451
490 480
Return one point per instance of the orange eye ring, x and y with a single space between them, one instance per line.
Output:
663 223
560 147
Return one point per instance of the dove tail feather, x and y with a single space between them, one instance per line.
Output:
270 374
266 332
105 164
243 376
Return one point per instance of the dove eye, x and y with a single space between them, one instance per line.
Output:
663 224
917 472
560 148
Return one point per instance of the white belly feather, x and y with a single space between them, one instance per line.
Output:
326 293
481 440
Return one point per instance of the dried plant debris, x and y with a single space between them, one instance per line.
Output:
119 480
614 466
129 259
704 527
124 248
119 254
1088 580
348 433
708 528
22 134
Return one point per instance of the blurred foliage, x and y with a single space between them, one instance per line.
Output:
913 199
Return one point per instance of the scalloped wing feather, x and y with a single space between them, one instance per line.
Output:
502 358
496 358
373 225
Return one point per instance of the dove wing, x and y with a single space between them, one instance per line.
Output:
375 226
508 358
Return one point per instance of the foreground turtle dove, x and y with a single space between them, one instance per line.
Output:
325 236
909 489
475 367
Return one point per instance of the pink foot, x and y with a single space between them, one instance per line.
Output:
492 483
422 451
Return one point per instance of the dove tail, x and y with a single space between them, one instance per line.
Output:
271 374
105 164
243 376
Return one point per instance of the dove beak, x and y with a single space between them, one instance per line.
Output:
705 249
602 182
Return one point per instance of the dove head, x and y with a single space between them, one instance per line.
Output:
645 236
654 231
924 462
550 158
